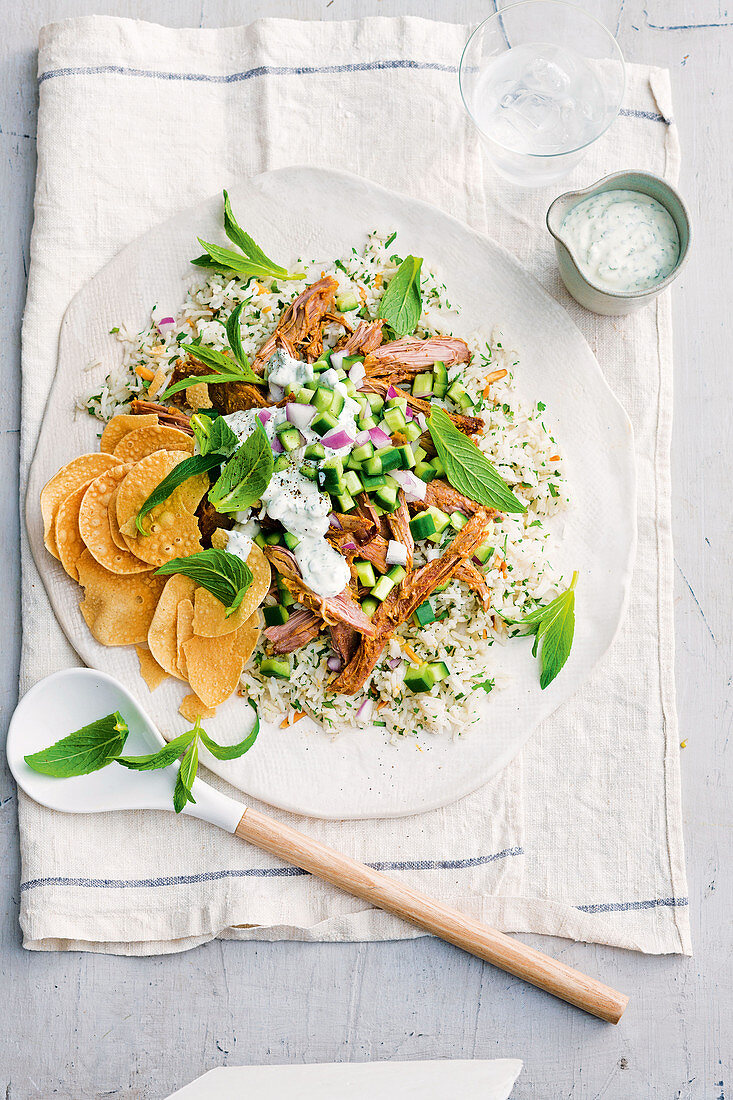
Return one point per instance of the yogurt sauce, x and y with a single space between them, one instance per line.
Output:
622 240
291 498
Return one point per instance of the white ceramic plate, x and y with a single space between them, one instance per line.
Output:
322 214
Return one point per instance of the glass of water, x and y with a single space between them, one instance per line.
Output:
541 80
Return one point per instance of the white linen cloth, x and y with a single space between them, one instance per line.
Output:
581 835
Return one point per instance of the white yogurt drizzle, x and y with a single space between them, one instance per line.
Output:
622 240
292 499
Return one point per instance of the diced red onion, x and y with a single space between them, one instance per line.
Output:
276 392
366 705
394 662
333 520
337 438
277 447
362 438
357 374
166 321
392 392
333 664
379 438
349 545
414 487
299 415
409 414
337 359
477 561
422 421
264 415
396 553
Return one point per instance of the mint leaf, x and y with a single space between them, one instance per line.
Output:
234 336
221 363
213 435
209 379
232 752
161 759
401 303
467 468
194 464
224 575
243 265
553 626
246 475
86 750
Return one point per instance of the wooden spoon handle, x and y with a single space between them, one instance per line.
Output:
471 935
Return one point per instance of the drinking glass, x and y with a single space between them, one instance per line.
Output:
541 80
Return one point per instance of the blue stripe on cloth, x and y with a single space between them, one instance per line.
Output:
632 906
282 70
264 872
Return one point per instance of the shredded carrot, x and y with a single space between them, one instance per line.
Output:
378 279
503 568
298 715
495 376
382 704
410 652
554 458
485 633
145 373
284 723
362 295
266 309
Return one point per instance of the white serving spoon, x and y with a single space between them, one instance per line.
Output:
75 697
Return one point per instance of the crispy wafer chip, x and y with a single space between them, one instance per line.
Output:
156 437
210 619
118 609
114 527
69 543
162 631
247 637
118 427
192 708
150 670
214 667
197 396
69 478
219 538
94 525
184 631
172 526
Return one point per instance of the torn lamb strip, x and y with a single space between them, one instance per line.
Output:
442 495
341 608
408 357
298 321
366 337
399 525
172 418
345 640
469 425
302 627
476 581
365 508
405 598
226 397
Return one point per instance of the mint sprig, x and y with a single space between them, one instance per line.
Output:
401 303
553 626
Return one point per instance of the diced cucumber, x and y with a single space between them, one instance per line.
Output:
315 450
419 453
484 550
438 466
376 403
324 422
382 588
352 482
290 540
278 667
395 420
362 453
439 669
285 596
260 541
440 520
364 423
303 396
347 300
389 458
344 501
407 458
420 678
422 385
422 525
397 403
387 497
397 573
272 538
365 573
322 399
372 483
350 388
337 403
424 614
412 431
440 379
458 520
275 616
291 439
310 384
425 471
320 365
369 605
348 361
455 390
281 463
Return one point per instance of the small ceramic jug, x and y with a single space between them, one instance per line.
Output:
584 290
